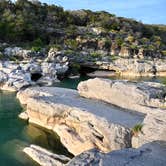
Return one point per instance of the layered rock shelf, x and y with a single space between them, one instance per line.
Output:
147 155
81 123
144 97
86 119
44 157
130 67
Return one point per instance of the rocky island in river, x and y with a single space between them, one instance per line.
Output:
110 120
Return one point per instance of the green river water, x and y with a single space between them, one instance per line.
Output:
15 134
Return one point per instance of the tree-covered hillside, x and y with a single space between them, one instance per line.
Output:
42 24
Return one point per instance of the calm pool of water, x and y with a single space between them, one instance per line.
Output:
16 134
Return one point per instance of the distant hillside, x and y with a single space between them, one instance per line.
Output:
42 24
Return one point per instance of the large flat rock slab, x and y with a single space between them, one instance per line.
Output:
71 98
81 123
145 97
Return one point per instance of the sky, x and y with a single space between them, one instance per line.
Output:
147 11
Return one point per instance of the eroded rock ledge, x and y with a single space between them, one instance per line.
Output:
82 124
130 67
144 97
147 155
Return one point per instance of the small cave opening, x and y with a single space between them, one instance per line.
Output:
84 70
35 76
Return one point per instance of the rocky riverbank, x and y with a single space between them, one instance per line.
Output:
14 76
81 123
102 121
130 67
84 124
86 119
107 65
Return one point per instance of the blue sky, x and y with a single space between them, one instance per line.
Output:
147 11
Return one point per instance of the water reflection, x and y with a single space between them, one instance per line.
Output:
45 138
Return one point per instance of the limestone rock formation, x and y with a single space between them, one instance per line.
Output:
154 128
151 154
17 51
130 67
14 76
143 97
44 157
81 124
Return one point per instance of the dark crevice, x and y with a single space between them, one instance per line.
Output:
36 76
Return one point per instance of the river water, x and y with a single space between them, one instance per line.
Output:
15 134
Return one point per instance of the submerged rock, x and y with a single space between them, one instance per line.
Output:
23 115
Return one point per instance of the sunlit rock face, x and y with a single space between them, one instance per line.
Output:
142 97
136 96
86 122
81 124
